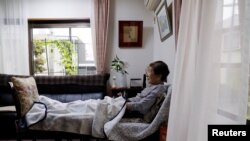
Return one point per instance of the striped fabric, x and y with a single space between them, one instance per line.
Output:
62 88
86 80
5 78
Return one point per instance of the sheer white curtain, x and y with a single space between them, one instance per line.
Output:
212 68
13 38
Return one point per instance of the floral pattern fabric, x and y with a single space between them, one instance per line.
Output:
26 91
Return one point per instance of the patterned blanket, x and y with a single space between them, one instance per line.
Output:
82 117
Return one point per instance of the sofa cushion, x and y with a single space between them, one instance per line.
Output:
26 91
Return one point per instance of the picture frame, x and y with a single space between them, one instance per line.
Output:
164 22
130 34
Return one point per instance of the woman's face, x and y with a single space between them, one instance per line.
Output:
152 78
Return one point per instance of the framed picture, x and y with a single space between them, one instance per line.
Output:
163 21
130 33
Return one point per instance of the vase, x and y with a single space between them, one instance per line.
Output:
120 80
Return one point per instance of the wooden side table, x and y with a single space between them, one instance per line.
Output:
115 91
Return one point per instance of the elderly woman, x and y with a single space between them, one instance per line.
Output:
156 74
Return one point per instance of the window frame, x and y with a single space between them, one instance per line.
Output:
46 23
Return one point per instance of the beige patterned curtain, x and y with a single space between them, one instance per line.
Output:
101 20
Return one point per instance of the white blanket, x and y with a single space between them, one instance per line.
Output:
82 117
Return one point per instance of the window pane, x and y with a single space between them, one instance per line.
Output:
228 2
50 33
83 38
84 34
230 13
63 50
86 50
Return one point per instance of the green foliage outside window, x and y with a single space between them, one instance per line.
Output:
39 59
66 50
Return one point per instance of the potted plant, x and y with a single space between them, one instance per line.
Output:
119 73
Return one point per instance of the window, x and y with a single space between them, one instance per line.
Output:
61 47
231 56
232 59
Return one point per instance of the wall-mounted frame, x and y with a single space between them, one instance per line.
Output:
164 22
130 34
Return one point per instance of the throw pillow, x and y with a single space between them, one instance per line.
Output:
26 91
150 115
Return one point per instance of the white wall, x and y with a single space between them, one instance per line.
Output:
165 50
58 8
136 58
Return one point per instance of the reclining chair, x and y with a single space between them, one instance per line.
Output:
131 131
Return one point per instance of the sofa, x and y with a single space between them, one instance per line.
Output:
61 88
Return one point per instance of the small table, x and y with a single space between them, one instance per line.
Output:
131 92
